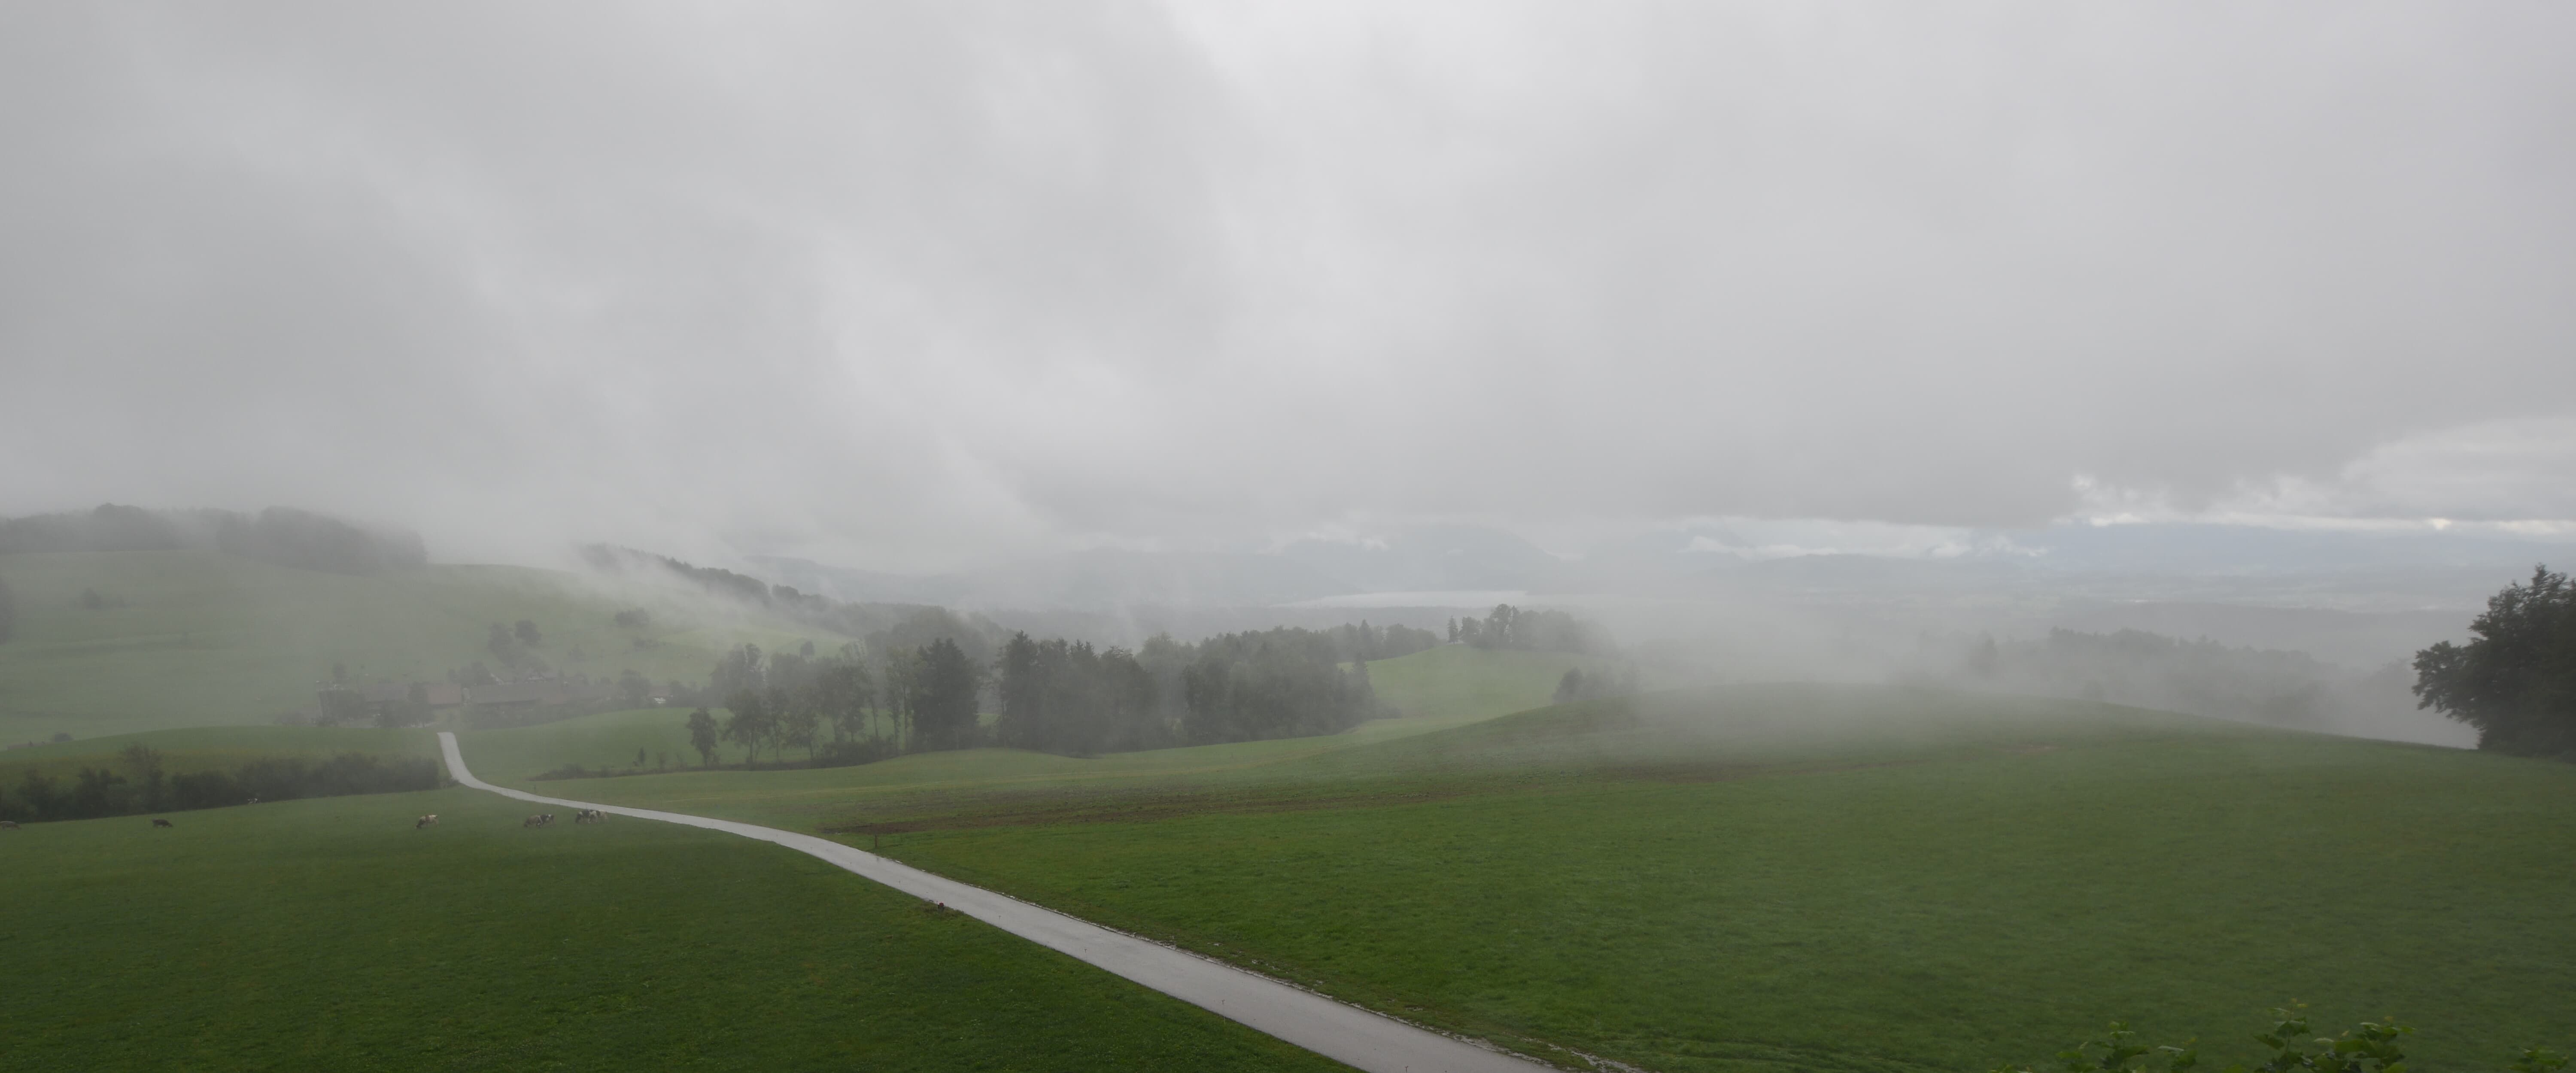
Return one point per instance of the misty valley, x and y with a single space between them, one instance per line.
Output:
1519 827
1649 536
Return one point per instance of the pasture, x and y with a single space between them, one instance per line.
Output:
198 638
1454 681
1802 877
330 934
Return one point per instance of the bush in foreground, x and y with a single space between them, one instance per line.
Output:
2369 1047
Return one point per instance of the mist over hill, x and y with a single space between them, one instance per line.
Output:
283 536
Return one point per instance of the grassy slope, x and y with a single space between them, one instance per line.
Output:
1823 878
1456 680
320 935
1440 689
204 639
216 748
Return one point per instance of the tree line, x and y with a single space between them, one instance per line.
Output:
1050 695
140 782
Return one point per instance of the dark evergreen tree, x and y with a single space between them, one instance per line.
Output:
944 692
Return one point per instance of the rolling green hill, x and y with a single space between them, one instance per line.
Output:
329 934
200 638
1795 877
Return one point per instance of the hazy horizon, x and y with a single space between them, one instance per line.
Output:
928 288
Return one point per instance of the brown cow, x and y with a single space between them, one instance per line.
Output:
159 822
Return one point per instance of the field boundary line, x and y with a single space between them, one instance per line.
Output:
1350 1034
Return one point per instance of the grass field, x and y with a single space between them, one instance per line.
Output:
1457 680
1804 877
330 935
206 639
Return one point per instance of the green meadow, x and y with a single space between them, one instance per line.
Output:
187 638
1454 681
331 935
1801 877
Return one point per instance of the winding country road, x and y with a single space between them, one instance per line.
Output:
1336 1030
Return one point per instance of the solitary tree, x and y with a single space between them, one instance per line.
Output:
526 633
702 736
2516 682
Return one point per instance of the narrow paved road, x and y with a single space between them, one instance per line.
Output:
1336 1030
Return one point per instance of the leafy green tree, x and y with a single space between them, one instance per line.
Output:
504 648
738 670
525 632
339 706
799 727
634 688
149 777
94 793
842 694
702 736
1279 683
750 723
2516 681
41 794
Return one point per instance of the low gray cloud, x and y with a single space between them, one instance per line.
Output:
914 284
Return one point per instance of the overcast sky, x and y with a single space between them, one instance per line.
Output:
909 285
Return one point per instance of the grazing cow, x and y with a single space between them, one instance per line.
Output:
430 820
252 801
8 825
159 822
589 815
534 821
